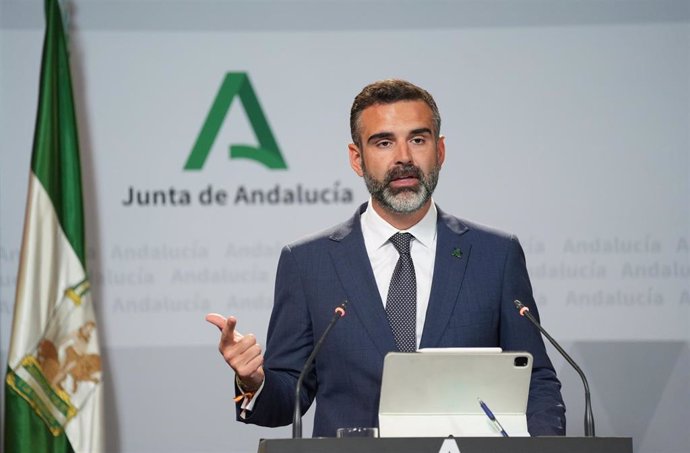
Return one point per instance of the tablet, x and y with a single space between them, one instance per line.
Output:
434 393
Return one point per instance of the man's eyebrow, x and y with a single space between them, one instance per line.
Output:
380 135
421 130
391 135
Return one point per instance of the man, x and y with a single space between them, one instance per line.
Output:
443 282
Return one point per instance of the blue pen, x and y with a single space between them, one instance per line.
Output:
492 417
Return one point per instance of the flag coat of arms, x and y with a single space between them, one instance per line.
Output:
53 390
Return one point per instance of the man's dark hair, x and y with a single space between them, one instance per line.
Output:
388 92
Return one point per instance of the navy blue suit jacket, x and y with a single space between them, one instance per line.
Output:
471 305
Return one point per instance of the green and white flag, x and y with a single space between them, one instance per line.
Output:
53 391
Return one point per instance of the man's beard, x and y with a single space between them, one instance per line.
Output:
403 200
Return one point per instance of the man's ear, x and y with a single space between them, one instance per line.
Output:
355 158
441 150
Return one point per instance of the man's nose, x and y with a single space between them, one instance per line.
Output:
404 153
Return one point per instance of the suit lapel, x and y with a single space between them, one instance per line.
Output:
357 278
453 249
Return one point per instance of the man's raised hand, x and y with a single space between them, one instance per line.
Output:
241 352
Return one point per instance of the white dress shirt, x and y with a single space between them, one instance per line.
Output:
383 255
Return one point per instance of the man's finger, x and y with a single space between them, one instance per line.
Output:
216 319
251 370
221 321
230 336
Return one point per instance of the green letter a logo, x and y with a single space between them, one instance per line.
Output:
268 153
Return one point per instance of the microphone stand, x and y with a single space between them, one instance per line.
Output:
297 416
589 417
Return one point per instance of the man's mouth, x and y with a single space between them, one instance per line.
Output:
406 181
402 178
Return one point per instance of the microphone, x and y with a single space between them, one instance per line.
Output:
589 418
297 417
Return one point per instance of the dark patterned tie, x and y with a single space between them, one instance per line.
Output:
401 305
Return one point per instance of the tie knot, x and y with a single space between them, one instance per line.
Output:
401 241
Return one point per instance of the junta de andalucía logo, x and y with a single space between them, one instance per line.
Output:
237 84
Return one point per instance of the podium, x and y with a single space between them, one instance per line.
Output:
465 445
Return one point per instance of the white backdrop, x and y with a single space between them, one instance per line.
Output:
574 135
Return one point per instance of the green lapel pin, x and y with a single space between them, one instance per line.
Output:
457 253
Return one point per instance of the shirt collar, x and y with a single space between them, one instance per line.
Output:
379 231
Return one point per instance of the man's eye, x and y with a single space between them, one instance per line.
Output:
418 140
384 144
